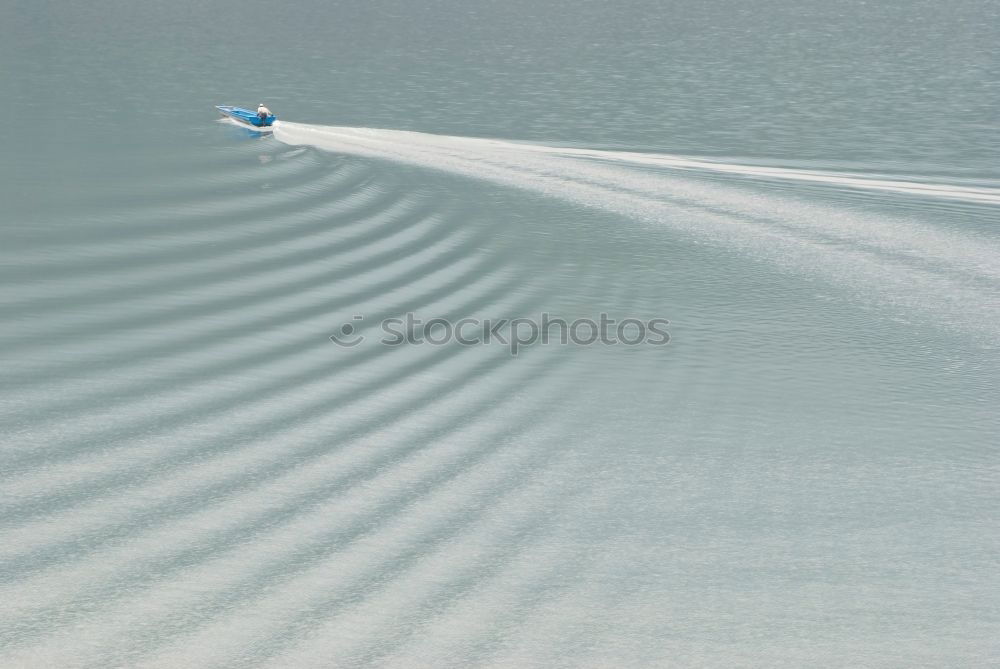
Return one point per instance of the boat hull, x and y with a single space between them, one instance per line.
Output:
247 119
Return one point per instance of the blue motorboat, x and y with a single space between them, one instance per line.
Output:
247 118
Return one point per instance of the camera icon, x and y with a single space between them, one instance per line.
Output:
346 336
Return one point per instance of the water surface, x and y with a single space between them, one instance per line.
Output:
194 474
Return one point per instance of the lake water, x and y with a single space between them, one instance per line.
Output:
194 474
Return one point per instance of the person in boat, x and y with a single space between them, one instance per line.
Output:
262 113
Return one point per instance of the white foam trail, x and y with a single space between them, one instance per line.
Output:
898 261
286 132
949 191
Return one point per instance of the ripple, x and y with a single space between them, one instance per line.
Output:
475 373
64 477
139 235
341 527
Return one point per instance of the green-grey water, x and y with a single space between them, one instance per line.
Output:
193 474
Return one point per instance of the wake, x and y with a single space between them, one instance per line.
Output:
915 268
370 140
